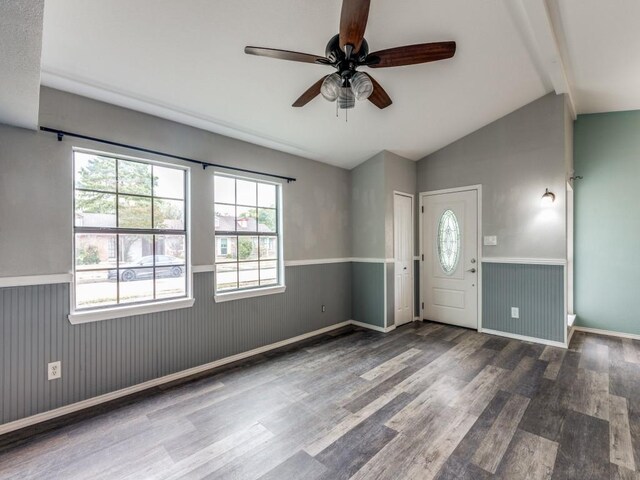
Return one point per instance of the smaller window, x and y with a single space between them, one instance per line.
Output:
248 238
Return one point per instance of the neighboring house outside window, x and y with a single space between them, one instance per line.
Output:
130 232
248 235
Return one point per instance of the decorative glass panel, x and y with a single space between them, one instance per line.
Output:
448 241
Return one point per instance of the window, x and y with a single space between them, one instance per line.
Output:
448 241
247 239
130 232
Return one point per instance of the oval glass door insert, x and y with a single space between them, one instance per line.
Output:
448 242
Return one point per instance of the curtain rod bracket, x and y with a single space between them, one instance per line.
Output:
60 135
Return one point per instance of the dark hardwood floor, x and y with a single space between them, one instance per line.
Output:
425 401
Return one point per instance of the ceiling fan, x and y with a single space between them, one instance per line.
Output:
349 50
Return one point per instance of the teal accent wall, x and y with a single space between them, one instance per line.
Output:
607 221
367 290
537 290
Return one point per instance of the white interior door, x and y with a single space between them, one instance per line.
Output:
450 267
403 255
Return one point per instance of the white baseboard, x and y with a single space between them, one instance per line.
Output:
373 327
609 333
90 402
417 319
515 336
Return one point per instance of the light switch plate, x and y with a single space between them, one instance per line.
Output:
490 240
515 312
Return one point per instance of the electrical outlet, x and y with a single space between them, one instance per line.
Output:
324 308
515 312
54 370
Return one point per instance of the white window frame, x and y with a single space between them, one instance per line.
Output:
280 287
153 306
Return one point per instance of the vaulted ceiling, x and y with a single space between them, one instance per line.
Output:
184 61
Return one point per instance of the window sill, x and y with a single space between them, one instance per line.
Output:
257 292
77 318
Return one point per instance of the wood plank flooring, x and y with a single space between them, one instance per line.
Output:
426 401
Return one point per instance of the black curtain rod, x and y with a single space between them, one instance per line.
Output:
62 133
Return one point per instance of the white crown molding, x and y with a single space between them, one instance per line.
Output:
88 88
29 280
525 261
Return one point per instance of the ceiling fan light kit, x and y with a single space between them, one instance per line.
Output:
344 90
348 51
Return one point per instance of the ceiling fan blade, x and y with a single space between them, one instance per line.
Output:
379 97
353 22
285 55
412 54
311 93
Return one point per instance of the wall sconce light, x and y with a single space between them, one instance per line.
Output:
548 198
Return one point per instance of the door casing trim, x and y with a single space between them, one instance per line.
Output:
478 189
413 234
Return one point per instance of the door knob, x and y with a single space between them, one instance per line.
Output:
473 270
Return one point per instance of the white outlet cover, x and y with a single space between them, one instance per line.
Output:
54 370
515 312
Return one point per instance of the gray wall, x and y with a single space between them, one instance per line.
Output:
399 176
372 188
36 239
537 290
101 357
367 240
367 290
368 203
36 181
514 158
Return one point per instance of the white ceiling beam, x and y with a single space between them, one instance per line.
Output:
547 44
20 58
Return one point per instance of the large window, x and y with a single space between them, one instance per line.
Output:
247 240
130 231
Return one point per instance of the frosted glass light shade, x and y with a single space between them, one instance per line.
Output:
361 86
346 99
331 86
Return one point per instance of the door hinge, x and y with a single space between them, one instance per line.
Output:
422 209
422 305
423 257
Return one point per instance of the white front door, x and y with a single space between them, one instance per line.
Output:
450 267
403 255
